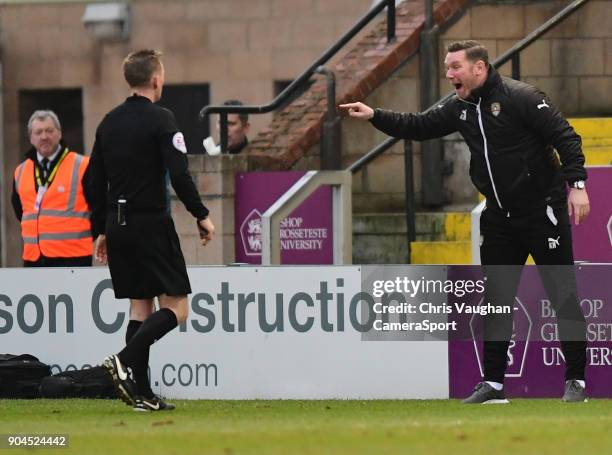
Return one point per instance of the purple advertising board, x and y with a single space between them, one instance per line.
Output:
593 237
536 365
306 235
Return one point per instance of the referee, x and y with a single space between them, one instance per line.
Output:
135 144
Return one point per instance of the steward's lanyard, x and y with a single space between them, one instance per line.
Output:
53 172
42 189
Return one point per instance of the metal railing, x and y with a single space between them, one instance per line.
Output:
340 182
299 82
513 55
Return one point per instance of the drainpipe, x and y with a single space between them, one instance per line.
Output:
331 159
432 151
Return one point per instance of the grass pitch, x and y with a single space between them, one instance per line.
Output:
316 427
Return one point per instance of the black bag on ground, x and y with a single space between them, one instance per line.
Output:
20 376
94 382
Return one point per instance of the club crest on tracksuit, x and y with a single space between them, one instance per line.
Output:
495 109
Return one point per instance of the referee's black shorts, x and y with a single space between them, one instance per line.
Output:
145 257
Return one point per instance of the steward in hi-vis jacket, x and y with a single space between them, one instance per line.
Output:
49 199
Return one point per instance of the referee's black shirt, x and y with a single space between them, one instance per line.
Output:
135 143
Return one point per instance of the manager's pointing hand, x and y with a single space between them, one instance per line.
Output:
358 110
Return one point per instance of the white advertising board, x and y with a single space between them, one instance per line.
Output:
252 332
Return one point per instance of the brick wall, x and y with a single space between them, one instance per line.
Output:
231 45
239 47
362 69
572 62
382 74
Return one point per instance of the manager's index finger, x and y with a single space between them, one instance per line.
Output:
348 105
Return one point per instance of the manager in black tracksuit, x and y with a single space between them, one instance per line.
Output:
136 144
512 130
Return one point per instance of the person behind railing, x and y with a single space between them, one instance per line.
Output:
237 129
511 129
50 198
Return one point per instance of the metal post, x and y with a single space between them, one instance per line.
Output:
516 66
341 181
409 184
429 20
331 137
223 131
342 224
432 154
390 21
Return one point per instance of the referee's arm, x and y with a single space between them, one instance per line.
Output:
176 163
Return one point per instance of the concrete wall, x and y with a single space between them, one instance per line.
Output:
215 178
572 63
239 47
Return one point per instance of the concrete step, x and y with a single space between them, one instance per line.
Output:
596 133
444 237
592 127
597 156
429 225
381 238
457 252
597 141
380 249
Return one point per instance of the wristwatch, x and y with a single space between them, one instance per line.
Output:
579 185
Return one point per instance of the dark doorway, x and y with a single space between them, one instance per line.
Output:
186 101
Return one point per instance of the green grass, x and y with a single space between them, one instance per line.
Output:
317 427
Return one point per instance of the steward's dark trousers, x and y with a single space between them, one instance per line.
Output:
507 239
79 261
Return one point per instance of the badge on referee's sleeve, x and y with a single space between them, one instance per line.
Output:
179 142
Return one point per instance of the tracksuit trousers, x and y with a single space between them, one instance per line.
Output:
507 239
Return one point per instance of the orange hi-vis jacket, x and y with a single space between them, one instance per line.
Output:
55 220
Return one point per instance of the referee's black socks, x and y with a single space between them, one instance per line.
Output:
141 371
137 349
132 328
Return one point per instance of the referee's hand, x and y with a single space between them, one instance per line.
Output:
207 230
100 249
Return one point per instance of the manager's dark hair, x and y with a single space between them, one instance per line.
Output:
474 50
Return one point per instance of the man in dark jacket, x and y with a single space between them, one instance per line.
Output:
512 131
237 129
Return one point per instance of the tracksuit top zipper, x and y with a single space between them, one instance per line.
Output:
486 149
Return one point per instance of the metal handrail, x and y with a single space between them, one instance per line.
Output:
298 83
340 182
510 54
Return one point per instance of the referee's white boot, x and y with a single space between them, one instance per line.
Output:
126 388
485 394
156 403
